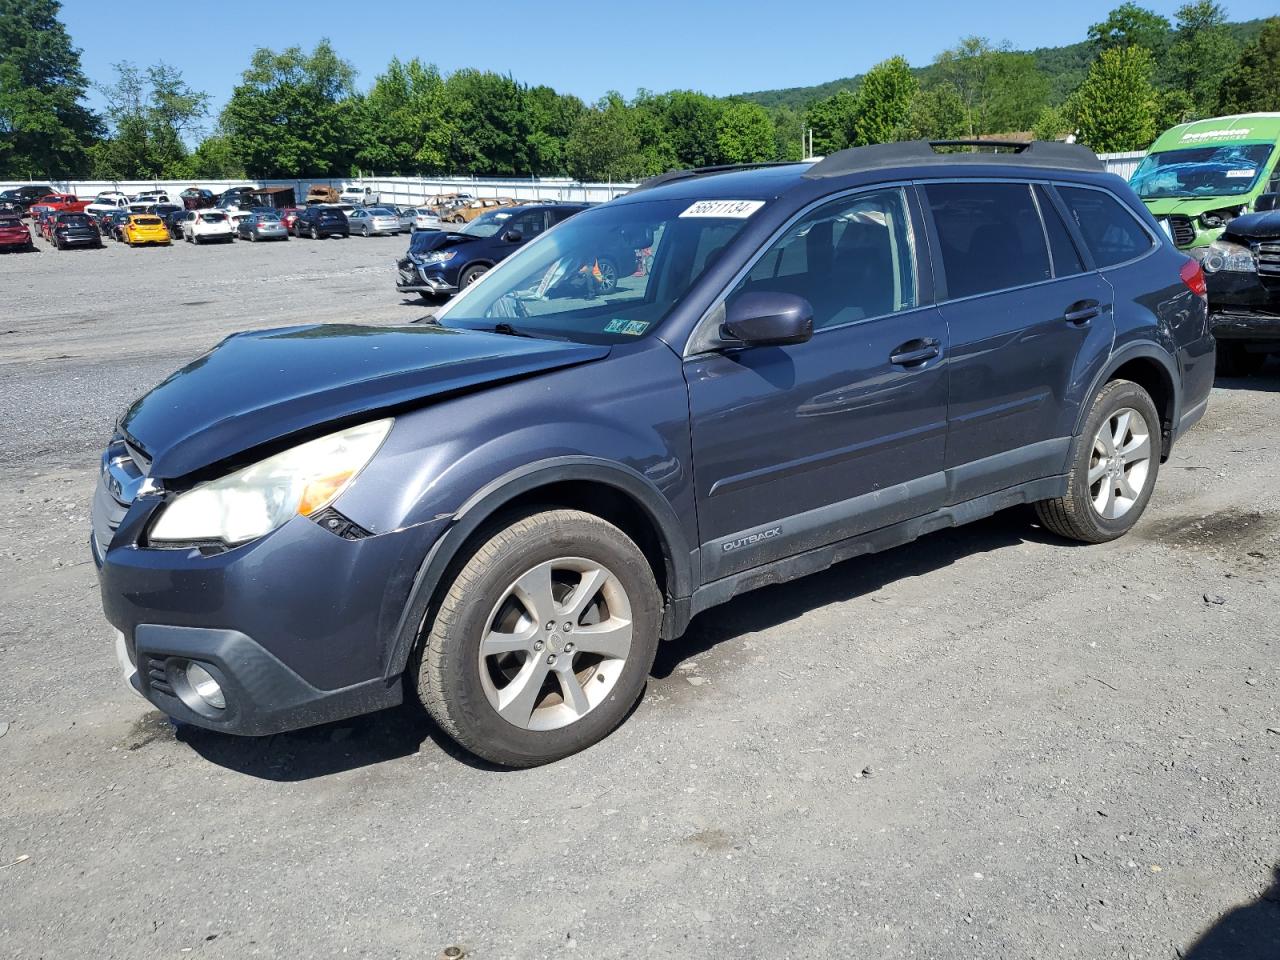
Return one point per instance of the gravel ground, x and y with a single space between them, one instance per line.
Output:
985 744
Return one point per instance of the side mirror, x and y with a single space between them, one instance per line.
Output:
1267 201
513 236
768 319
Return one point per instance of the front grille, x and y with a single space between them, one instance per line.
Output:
1269 258
124 467
1183 230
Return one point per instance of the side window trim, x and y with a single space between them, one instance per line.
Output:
1157 239
712 316
1073 228
1044 231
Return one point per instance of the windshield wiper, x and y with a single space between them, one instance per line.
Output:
510 331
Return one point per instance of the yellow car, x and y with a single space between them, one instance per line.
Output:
145 229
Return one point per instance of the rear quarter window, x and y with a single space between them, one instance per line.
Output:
990 236
1110 230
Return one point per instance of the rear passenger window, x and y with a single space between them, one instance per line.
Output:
1112 233
990 235
851 259
1066 259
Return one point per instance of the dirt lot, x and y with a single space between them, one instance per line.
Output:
986 744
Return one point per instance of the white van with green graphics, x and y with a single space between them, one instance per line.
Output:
1198 176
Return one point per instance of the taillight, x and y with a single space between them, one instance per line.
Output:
1193 276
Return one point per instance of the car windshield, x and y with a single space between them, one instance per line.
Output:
424 212
147 221
268 218
74 220
1224 171
8 224
381 212
608 275
212 217
487 224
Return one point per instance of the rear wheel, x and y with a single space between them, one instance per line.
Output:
544 640
315 234
364 231
1236 360
1114 463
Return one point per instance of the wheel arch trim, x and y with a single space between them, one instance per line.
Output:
499 492
1137 350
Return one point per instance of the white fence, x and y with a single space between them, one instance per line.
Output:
412 190
1122 164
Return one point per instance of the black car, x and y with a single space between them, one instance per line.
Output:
440 262
118 218
24 197
196 198
503 512
319 222
173 221
102 220
1242 269
75 230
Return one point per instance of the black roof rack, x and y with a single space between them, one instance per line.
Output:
671 176
1037 153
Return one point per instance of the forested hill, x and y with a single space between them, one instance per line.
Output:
1065 67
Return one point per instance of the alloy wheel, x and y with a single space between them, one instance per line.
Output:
555 643
1120 464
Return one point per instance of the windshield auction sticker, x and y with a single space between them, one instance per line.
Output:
723 209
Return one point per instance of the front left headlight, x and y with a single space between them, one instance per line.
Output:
437 256
257 499
1222 255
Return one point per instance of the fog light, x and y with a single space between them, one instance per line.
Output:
205 687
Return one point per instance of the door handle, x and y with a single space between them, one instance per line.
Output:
915 352
1082 311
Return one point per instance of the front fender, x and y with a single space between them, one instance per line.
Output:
501 491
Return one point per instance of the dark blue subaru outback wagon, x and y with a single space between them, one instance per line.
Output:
502 511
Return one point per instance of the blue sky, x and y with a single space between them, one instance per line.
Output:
586 48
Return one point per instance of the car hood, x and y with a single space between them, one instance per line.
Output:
260 387
1255 226
426 241
1191 206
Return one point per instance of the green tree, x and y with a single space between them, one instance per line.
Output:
1001 91
883 103
1130 25
604 143
402 127
745 133
1051 124
294 114
1202 53
691 121
45 128
831 121
551 119
1253 84
938 113
151 114
788 133
1116 107
214 159
489 128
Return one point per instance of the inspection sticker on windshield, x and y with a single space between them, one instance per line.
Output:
1243 174
632 328
724 209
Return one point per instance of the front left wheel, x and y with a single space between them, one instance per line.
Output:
544 640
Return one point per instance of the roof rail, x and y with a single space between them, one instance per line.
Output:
1037 153
671 176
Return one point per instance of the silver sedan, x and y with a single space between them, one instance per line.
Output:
261 226
367 221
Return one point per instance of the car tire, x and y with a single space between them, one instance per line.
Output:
315 234
584 687
471 275
1235 360
253 237
1115 460
612 273
364 232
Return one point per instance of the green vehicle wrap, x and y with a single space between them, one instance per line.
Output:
1197 176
